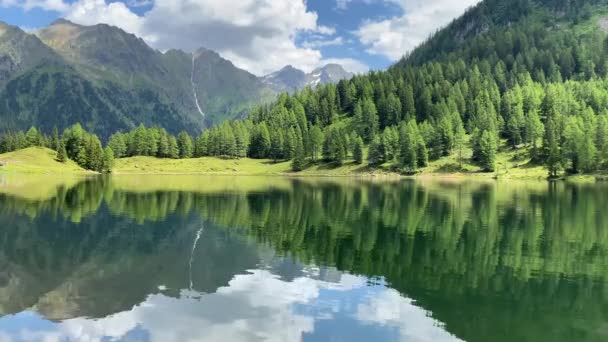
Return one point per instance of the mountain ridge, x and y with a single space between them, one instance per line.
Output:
195 89
289 79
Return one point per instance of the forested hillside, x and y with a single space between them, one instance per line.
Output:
516 73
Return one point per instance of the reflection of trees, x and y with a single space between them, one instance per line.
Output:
102 264
517 257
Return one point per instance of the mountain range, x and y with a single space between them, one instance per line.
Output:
110 80
290 79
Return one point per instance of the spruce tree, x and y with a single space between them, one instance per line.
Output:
459 142
108 160
408 151
32 137
173 148
299 159
487 149
316 142
62 154
185 145
358 150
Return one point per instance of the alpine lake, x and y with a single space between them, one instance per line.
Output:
210 258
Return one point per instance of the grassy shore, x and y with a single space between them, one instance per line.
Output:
511 164
244 166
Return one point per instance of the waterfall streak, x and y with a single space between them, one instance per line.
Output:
198 106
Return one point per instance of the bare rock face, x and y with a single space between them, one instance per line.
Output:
290 79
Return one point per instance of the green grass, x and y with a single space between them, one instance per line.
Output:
206 165
510 164
244 166
37 160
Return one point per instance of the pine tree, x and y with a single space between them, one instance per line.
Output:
534 131
276 145
552 149
108 160
408 143
488 149
55 139
200 146
94 153
368 120
375 155
62 154
32 137
299 159
358 150
316 142
289 144
163 145
185 145
118 145
173 148
459 142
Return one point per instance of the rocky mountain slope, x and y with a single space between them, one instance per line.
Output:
110 80
290 79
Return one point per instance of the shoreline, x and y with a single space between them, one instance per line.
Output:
41 162
371 175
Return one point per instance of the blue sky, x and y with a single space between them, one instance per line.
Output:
260 35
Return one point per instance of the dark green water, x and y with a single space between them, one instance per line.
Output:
288 260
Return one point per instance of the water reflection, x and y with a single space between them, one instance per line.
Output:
252 307
149 259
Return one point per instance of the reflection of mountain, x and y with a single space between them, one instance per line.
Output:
493 261
65 271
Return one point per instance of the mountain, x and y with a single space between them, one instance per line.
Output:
20 51
286 80
329 74
290 79
110 80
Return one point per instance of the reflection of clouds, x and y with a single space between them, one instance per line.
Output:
389 308
259 306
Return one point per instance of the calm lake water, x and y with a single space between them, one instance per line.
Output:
275 259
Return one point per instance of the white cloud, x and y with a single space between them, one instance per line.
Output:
396 36
256 35
317 43
47 5
342 4
90 12
349 64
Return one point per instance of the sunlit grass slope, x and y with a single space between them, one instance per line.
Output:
244 166
37 160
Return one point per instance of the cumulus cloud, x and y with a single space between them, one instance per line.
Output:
396 36
90 12
256 35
